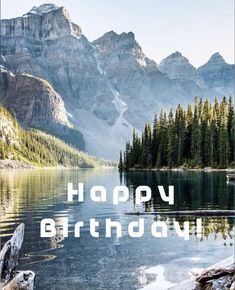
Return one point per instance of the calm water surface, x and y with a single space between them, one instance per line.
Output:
113 263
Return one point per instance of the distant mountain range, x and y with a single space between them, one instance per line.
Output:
102 89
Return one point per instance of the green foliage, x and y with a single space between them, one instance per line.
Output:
41 149
8 115
70 136
120 164
4 150
196 137
65 155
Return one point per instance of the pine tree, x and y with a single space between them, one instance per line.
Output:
207 152
233 141
171 141
127 156
223 136
180 129
201 137
154 141
195 137
188 133
229 129
147 146
162 133
215 127
120 164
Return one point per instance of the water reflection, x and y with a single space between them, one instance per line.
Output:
112 263
193 191
28 196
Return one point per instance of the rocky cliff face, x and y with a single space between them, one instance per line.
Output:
50 46
32 100
129 71
107 86
46 22
176 66
218 75
69 63
138 80
34 103
8 131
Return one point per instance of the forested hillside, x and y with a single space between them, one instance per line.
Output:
200 136
37 148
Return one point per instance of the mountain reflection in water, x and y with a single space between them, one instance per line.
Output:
114 263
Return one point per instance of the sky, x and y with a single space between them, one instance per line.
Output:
196 28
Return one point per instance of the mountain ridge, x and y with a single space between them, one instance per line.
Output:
108 86
35 104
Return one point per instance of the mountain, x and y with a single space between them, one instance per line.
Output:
26 149
177 66
52 47
34 103
218 74
138 81
108 86
32 100
130 73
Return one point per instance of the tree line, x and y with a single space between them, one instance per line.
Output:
41 149
202 135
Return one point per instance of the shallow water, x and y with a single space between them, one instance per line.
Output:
114 263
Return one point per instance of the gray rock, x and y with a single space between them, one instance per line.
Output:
140 82
51 47
32 100
107 86
176 66
218 75
14 164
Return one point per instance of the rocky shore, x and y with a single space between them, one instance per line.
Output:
14 164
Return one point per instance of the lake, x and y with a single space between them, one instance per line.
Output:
146 263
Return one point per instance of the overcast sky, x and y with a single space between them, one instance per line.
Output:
197 28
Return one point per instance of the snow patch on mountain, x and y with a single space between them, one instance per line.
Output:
142 62
119 104
98 62
100 138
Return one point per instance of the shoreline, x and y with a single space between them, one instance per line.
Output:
16 164
9 164
179 169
